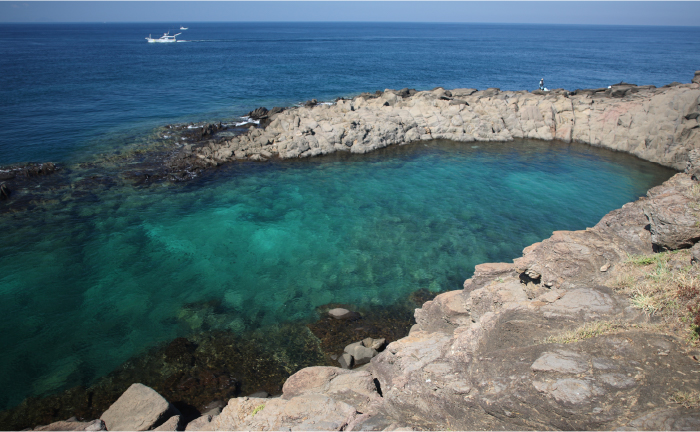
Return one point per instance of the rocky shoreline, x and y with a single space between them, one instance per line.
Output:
211 366
656 124
545 342
493 355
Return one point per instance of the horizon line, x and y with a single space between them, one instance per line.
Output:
348 22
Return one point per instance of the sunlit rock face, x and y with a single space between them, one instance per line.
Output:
655 124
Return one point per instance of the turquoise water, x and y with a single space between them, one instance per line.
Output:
85 286
102 275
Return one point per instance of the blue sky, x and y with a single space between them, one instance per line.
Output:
685 13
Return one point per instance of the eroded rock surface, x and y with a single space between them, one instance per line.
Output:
659 125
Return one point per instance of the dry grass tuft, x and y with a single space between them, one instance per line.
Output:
666 286
595 328
689 399
586 331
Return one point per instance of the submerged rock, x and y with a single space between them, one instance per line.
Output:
339 313
181 350
4 192
388 323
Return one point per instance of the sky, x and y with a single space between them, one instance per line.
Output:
684 13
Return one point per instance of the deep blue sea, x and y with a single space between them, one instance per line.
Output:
71 89
85 286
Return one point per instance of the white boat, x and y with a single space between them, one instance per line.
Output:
183 28
163 39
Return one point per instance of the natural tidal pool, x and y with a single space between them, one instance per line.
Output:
87 284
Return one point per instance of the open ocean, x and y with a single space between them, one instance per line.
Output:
87 285
67 90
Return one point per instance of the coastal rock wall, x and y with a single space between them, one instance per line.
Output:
655 124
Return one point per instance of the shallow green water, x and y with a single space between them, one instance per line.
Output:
84 287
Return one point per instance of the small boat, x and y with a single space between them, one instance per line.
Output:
183 28
163 39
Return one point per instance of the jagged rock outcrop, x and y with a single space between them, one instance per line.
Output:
656 124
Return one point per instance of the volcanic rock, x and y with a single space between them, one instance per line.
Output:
654 124
258 113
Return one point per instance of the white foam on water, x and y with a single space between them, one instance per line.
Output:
303 104
248 120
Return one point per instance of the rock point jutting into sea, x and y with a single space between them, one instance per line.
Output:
590 329
656 124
